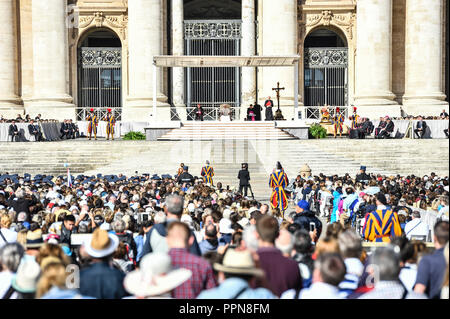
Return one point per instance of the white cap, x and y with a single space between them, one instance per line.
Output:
226 213
191 207
225 226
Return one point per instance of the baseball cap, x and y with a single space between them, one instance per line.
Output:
303 204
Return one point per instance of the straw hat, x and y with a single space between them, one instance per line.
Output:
25 281
101 244
155 276
34 239
239 262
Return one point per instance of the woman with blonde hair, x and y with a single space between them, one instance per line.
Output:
54 282
22 237
327 245
52 250
6 235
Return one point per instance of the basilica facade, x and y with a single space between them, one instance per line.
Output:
60 58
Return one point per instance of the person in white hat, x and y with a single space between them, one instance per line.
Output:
226 232
24 282
236 274
101 280
156 278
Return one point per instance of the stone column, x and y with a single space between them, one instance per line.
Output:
178 49
424 91
248 48
8 59
278 37
374 54
144 42
50 60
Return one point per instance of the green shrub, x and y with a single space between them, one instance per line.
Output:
134 136
317 131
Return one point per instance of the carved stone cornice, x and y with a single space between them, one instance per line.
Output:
326 18
102 19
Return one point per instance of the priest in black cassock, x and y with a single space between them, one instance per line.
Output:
258 109
251 114
269 106
199 113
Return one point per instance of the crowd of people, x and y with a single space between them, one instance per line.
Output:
68 130
183 237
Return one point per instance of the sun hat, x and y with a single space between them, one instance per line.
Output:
34 239
238 262
155 276
26 278
101 244
52 239
225 226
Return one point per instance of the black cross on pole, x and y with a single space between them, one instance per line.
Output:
278 89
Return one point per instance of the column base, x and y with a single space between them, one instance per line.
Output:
372 100
133 113
426 109
10 107
52 109
374 112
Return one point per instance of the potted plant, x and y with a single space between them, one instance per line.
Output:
317 131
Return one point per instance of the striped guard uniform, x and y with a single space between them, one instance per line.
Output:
338 122
208 174
355 119
111 122
93 122
381 226
278 182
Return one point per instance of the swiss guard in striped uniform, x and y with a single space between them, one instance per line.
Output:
278 182
93 123
382 225
354 118
338 123
208 173
110 123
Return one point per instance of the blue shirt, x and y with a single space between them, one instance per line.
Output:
231 287
431 272
102 281
58 293
206 246
139 240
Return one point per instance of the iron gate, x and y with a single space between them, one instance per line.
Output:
99 80
326 80
212 87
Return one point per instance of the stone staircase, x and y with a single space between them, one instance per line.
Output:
328 156
210 131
